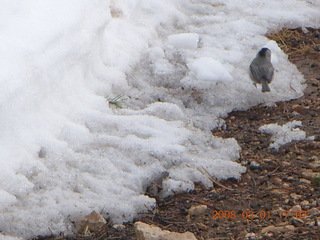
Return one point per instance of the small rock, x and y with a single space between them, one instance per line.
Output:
294 114
315 165
286 164
278 192
316 180
296 222
291 179
198 210
285 185
252 236
277 180
91 223
314 203
293 211
313 222
313 211
305 203
42 153
202 227
308 174
150 232
119 226
313 158
290 227
241 235
271 229
274 229
303 180
295 196
268 229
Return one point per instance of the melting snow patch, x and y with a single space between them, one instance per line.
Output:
184 40
284 134
183 65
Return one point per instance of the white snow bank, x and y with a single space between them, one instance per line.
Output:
206 72
184 41
3 237
284 134
65 152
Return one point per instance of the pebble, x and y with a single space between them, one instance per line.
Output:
119 226
313 211
296 222
309 174
286 164
315 165
91 223
295 196
306 181
286 185
147 232
278 192
293 211
198 210
277 229
305 203
277 180
202 227
251 236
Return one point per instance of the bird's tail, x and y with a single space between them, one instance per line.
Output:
265 86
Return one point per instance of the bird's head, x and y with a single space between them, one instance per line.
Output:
265 52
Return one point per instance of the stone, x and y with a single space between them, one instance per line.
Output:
293 211
290 228
305 203
251 236
91 223
151 232
313 211
278 192
297 222
271 229
42 153
313 222
277 180
309 174
274 229
198 210
119 226
315 165
295 196
202 227
316 180
305 181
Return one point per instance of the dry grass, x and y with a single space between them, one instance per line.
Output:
298 43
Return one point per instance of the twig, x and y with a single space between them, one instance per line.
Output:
205 172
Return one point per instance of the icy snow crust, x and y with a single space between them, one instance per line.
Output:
284 134
183 64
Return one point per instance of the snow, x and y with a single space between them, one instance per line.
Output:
284 134
184 41
207 71
183 66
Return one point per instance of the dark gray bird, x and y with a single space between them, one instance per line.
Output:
261 69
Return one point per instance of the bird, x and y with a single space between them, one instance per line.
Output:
261 69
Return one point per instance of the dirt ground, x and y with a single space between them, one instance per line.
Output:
275 181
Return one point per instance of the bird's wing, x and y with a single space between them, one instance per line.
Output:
269 73
257 72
